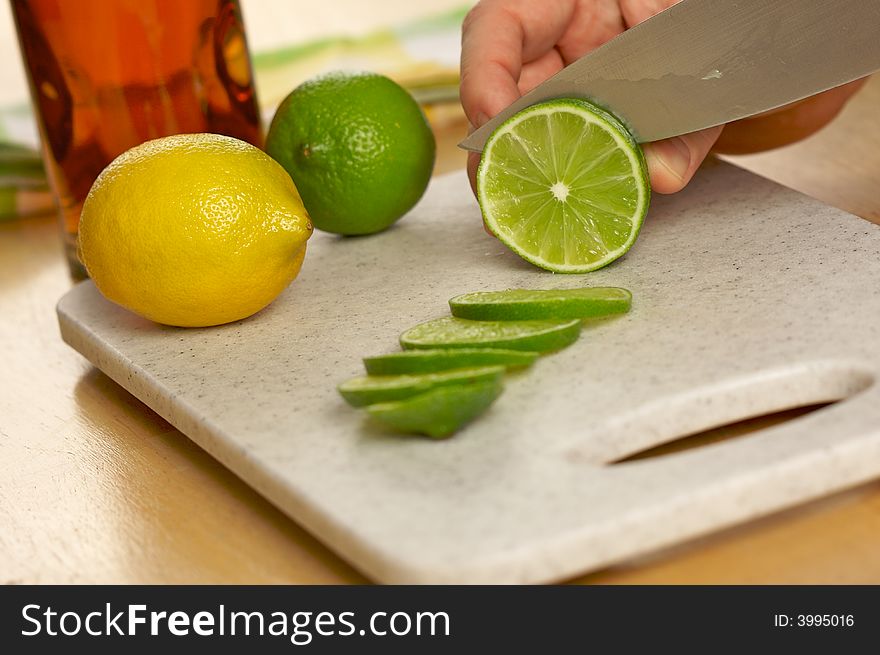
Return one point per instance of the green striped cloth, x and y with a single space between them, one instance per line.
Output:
422 56
23 187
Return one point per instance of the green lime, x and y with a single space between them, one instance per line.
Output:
450 332
564 185
385 388
525 304
358 148
430 361
441 412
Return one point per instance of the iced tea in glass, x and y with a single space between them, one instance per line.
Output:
106 75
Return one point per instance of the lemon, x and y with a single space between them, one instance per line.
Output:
193 230
358 148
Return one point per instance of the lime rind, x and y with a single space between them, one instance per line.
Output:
443 359
438 413
534 336
369 390
531 304
526 178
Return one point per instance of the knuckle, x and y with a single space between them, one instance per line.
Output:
472 16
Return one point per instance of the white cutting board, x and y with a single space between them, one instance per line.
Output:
748 298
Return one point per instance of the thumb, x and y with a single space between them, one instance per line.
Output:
673 162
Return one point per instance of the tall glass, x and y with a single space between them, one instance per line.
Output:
106 75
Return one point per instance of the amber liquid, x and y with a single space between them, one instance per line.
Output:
106 75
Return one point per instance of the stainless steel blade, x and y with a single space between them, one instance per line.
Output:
707 62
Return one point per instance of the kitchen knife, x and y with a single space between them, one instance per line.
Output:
702 63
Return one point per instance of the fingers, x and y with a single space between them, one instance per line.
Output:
535 72
491 59
592 23
509 46
788 124
673 162
498 37
636 11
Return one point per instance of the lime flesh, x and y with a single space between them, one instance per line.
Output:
530 304
430 361
564 185
451 332
385 388
438 413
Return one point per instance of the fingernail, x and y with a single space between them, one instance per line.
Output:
674 155
480 119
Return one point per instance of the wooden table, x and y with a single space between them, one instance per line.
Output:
95 487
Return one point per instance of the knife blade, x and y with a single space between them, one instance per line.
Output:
702 63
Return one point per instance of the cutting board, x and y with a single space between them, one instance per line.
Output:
748 298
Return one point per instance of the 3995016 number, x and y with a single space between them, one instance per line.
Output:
825 620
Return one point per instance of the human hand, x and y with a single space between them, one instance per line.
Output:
510 46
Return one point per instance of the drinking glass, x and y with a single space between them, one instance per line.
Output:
107 75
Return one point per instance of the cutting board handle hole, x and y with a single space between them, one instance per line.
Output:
721 433
731 409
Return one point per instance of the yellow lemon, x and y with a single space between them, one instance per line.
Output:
193 230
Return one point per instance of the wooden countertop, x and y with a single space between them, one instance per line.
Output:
96 488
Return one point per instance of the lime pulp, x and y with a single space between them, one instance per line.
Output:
564 185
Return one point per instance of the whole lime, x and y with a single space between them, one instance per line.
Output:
358 148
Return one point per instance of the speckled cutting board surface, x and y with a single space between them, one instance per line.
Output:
748 298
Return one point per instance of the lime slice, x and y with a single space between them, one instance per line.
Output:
525 304
441 412
564 185
385 388
450 332
430 361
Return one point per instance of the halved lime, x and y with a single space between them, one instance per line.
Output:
430 361
450 332
564 185
525 304
385 388
441 412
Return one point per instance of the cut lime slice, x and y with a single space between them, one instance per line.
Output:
385 388
528 304
431 361
441 412
564 185
450 332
